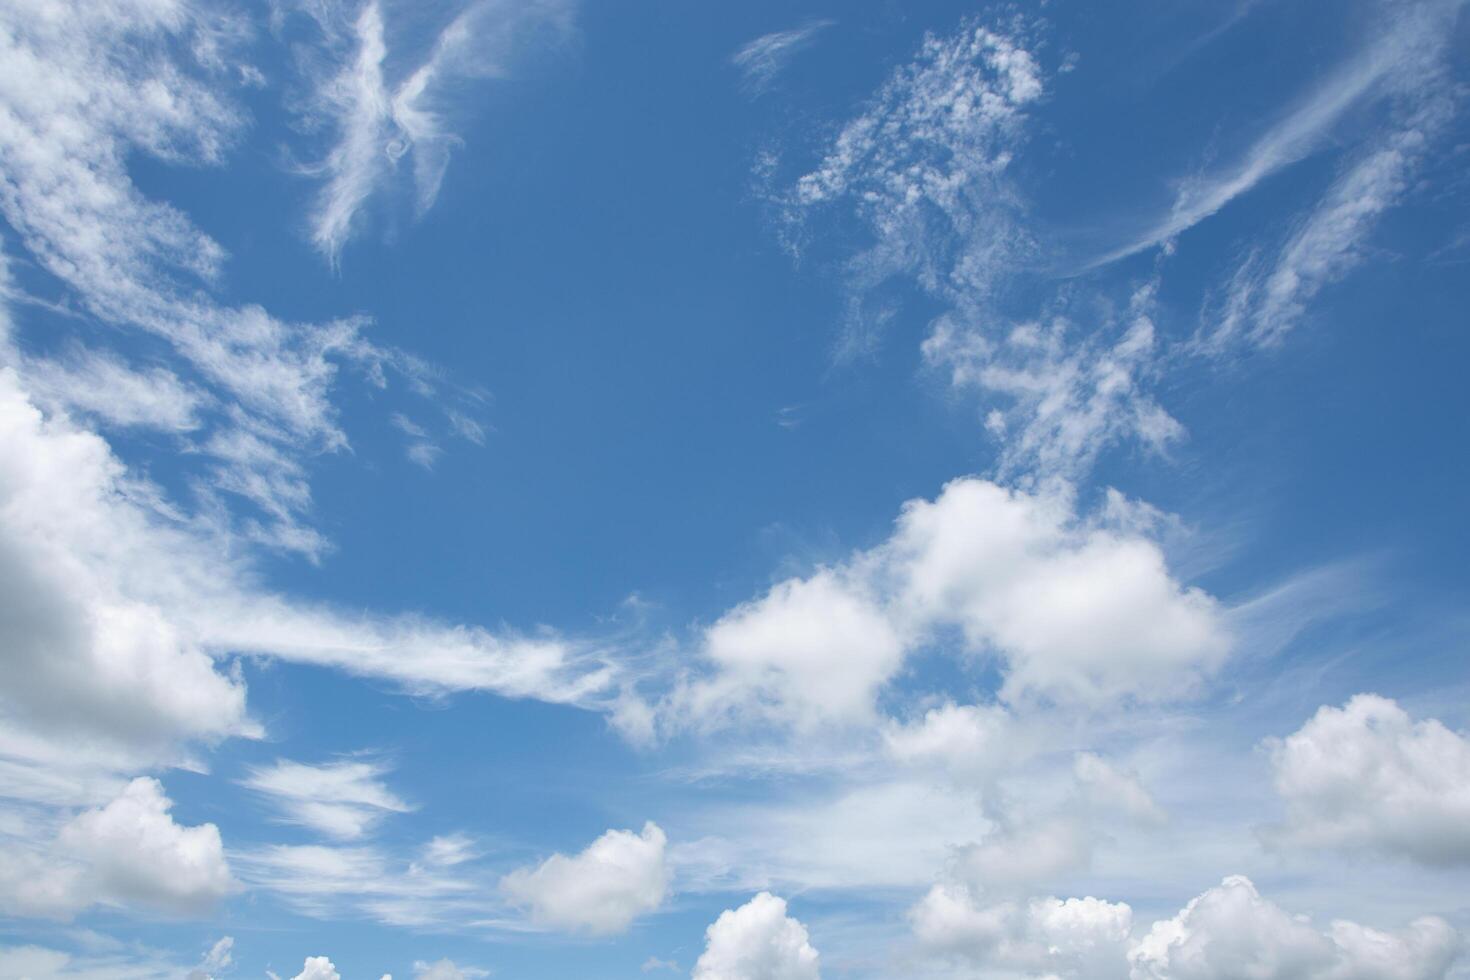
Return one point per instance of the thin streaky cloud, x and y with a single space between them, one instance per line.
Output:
760 61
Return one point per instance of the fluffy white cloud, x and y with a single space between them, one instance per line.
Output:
1076 611
810 651
1230 932
1366 775
340 799
1084 938
318 968
129 853
619 877
757 941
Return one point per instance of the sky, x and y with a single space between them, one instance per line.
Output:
762 491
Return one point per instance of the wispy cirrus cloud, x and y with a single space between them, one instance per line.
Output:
381 117
763 59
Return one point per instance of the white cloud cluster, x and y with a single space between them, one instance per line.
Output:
1230 931
619 877
1085 938
129 853
340 799
378 122
757 941
1367 776
1075 611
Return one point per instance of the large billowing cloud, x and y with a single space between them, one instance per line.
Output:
619 877
1230 932
1367 776
757 941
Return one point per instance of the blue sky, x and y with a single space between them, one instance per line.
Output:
762 492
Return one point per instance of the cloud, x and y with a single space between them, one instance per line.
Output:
318 968
619 877
1065 398
40 963
1231 931
445 970
219 959
923 168
1366 776
340 799
972 742
1079 611
129 853
757 941
762 59
1401 55
1085 938
379 122
1106 787
810 651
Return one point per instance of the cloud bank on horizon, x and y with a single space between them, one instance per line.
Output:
402 572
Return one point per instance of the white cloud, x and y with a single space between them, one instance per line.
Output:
1367 776
380 121
1020 854
1106 787
1066 399
104 387
1231 931
619 877
1076 611
318 968
219 958
129 853
1401 55
40 963
973 742
762 59
1085 938
340 799
810 651
445 970
757 941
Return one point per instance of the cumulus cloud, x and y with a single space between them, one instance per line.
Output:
1084 938
757 941
761 60
318 968
619 877
129 853
1368 776
339 799
1230 931
973 742
1077 611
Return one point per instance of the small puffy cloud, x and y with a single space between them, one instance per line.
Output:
757 941
318 968
340 799
127 853
1367 776
809 651
1084 938
620 876
1230 932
